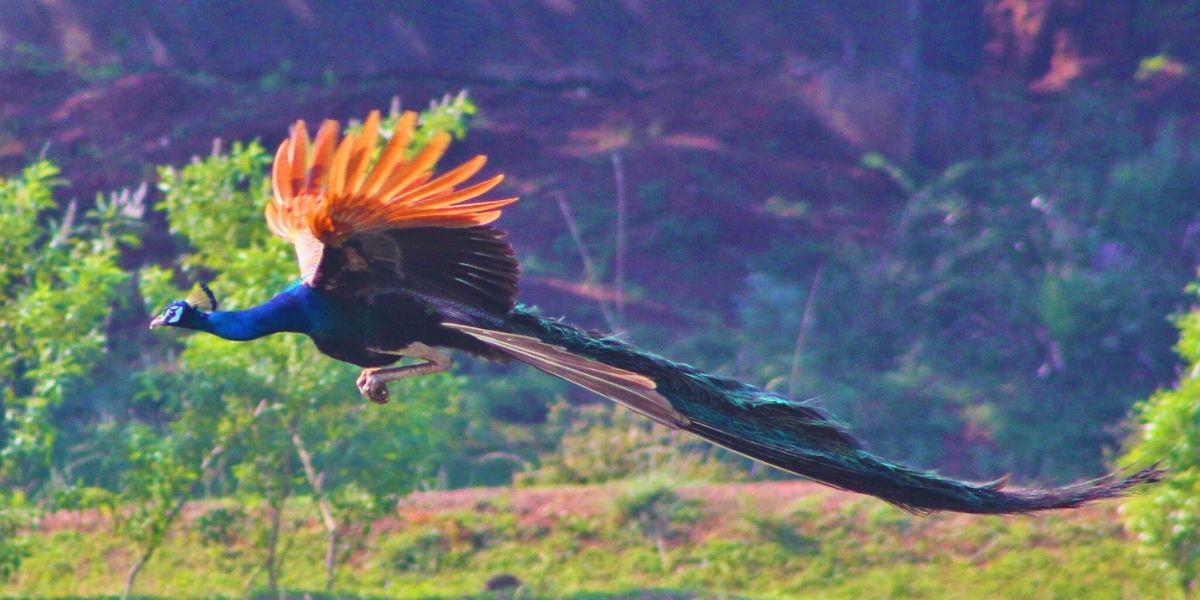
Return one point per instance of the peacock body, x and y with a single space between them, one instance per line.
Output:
395 262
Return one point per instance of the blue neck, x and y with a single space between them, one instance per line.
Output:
279 314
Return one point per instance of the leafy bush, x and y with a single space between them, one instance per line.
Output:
426 551
652 508
1166 516
13 546
217 526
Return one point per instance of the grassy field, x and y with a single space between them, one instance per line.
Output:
636 540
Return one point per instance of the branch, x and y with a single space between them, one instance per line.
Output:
589 269
619 283
171 515
310 473
805 323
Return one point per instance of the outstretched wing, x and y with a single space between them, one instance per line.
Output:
366 226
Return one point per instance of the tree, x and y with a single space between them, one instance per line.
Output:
58 281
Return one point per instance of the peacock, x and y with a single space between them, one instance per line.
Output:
397 263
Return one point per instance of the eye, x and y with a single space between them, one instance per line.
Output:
173 314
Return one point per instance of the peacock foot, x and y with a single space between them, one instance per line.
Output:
372 387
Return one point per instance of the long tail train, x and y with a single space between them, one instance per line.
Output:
783 433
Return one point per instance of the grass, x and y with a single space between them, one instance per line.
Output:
783 540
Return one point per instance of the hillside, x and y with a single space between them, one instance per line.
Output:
757 540
888 164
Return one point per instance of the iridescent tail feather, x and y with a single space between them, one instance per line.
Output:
789 435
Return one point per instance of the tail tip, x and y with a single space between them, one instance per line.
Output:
1151 474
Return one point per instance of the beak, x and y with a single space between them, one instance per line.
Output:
157 322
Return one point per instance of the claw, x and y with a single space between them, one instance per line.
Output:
371 388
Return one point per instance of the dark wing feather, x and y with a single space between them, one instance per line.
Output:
463 274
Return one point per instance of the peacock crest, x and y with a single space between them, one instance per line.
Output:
201 298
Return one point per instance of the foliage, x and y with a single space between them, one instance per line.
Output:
13 546
217 526
59 280
1166 517
450 114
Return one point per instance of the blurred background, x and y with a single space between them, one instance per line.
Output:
967 228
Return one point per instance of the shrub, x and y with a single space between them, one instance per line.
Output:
1166 516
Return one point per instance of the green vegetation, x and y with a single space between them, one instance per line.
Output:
1167 517
816 543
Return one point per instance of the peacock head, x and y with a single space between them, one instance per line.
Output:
190 311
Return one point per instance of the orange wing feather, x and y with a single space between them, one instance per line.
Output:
324 196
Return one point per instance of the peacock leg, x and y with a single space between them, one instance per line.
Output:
372 383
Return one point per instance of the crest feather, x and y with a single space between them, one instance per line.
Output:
201 298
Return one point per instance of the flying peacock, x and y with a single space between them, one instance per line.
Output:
397 263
